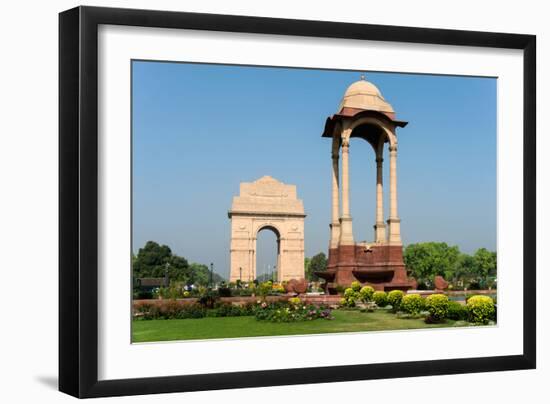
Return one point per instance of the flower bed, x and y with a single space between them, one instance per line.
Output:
294 310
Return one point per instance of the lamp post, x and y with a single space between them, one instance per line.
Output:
166 279
240 274
211 274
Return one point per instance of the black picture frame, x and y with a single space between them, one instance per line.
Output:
78 201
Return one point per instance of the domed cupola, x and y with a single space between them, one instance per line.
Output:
364 96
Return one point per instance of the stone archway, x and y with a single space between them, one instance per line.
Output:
267 203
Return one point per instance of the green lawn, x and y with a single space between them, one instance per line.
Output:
231 327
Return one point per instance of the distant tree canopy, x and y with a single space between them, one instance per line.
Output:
200 275
316 263
426 260
156 261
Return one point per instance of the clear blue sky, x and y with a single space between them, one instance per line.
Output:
200 130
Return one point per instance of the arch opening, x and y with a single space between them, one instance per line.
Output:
268 253
370 132
362 189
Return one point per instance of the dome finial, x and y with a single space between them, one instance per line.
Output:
362 77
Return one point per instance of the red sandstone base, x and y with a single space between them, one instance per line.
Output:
380 266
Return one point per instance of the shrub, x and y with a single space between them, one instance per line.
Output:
349 292
412 304
162 292
356 286
340 289
207 297
142 310
169 309
394 298
264 288
380 298
294 301
350 298
366 293
242 292
143 294
278 289
186 294
438 306
457 312
190 311
229 310
224 291
481 309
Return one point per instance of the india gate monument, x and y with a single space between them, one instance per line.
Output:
364 113
267 204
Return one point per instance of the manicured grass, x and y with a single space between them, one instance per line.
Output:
231 327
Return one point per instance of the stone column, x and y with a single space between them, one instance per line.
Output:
380 226
280 269
335 221
252 265
346 231
394 221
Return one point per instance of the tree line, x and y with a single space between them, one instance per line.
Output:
426 260
423 261
157 261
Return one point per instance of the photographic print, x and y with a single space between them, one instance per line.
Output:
228 187
272 201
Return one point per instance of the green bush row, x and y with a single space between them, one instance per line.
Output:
356 294
170 309
479 309
365 294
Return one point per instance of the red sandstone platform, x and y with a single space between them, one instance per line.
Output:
380 266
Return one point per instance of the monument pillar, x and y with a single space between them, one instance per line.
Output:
346 231
394 222
380 226
335 222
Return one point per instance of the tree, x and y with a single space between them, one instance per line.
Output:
318 263
426 260
156 261
465 268
199 274
307 263
485 263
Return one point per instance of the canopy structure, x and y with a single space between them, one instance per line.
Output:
364 113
